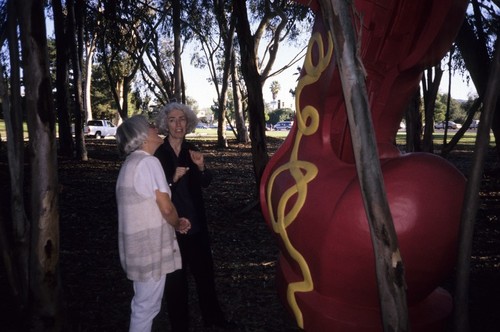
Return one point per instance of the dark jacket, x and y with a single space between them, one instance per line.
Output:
187 194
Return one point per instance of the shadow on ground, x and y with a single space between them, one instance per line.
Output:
97 294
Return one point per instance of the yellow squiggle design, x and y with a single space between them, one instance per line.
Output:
302 172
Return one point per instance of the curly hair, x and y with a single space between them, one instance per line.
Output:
132 134
162 117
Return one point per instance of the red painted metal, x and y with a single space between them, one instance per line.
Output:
310 195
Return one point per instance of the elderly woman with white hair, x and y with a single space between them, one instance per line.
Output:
147 221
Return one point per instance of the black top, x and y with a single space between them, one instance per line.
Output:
187 193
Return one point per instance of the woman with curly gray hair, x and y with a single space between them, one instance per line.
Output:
163 117
187 174
147 221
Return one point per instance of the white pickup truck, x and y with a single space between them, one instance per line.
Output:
99 128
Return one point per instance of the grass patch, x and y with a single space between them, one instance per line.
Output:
211 134
469 138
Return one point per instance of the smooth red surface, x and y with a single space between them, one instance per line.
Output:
425 192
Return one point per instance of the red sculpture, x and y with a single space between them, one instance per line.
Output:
310 195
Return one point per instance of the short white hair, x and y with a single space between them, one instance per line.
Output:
132 134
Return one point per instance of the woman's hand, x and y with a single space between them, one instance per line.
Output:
184 225
179 173
197 158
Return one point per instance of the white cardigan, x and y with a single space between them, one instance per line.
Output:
146 242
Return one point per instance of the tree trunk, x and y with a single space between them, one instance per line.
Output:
81 150
471 201
238 106
176 17
255 97
66 145
414 124
14 240
477 61
447 147
430 90
87 101
89 49
45 285
13 116
388 262
125 90
227 33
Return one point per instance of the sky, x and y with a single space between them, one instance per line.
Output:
460 90
198 87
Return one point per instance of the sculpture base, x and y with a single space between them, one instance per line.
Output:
328 314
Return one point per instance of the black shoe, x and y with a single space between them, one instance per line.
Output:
222 325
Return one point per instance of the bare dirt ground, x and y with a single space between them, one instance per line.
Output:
97 294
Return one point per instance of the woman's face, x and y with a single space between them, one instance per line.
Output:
176 124
153 140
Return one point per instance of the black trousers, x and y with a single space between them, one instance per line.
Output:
177 301
196 259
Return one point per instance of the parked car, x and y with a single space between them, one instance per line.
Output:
99 128
474 124
283 125
201 126
451 125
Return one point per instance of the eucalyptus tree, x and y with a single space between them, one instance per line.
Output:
212 26
476 46
275 21
75 27
14 241
124 35
430 86
479 48
66 145
159 76
156 69
413 117
470 56
35 239
226 23
176 28
92 25
242 132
